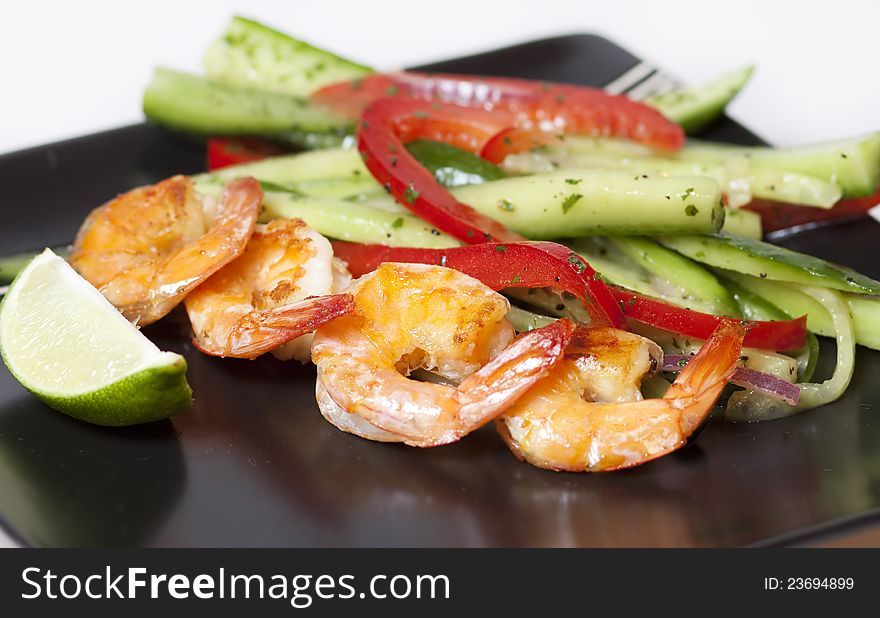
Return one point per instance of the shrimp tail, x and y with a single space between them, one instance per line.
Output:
491 390
706 374
262 331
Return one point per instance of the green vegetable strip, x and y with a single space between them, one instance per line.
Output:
671 266
523 321
754 406
744 223
696 107
197 105
853 164
618 268
252 55
865 309
356 222
768 261
738 180
555 205
593 202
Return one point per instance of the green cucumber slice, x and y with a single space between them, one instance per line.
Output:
252 55
766 261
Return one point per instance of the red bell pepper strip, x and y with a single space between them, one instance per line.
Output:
529 264
387 124
539 264
766 335
778 216
223 152
532 107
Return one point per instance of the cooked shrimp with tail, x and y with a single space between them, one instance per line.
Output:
417 316
588 413
270 297
148 248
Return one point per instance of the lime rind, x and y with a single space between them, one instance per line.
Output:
151 385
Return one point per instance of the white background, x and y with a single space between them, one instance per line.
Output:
72 68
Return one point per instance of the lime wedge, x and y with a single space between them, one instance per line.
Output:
69 346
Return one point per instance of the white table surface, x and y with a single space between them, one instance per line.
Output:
73 68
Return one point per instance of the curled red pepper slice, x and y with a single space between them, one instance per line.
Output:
529 264
388 123
532 107
546 264
775 335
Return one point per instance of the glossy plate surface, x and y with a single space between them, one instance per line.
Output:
253 463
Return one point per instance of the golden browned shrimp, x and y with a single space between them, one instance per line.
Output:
417 316
577 419
269 297
148 248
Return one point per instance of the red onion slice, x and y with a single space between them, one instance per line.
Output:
748 378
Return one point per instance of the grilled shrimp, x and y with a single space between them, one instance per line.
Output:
577 419
417 316
269 297
148 248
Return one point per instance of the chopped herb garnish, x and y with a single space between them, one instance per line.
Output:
573 181
356 84
365 124
570 201
391 90
421 114
691 210
516 279
500 248
411 195
687 193
506 204
506 140
393 161
632 301
577 262
398 223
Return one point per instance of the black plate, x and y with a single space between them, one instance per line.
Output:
252 463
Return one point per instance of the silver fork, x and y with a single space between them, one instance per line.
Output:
642 81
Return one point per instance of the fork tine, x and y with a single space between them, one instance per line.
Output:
629 78
657 84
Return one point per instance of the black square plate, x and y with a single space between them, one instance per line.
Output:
253 463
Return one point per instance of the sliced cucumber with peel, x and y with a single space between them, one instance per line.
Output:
852 164
197 105
698 106
767 261
252 55
671 266
865 308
